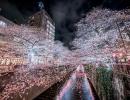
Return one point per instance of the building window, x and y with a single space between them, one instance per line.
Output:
50 29
2 24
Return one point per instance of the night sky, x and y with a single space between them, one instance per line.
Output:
65 13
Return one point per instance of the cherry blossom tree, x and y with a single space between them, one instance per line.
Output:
98 35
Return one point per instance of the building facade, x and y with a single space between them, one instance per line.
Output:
43 20
30 43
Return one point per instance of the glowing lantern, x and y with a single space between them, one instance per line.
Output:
120 55
114 55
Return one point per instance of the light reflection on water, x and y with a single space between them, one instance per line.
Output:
77 84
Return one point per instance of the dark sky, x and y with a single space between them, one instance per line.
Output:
65 13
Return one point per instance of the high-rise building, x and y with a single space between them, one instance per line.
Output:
5 22
34 40
42 20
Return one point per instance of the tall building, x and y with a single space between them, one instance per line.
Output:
33 41
42 20
5 22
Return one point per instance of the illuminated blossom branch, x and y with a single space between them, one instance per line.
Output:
98 36
24 40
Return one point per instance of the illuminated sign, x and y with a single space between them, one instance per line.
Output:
13 61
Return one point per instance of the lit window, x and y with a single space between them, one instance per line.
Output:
2 24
